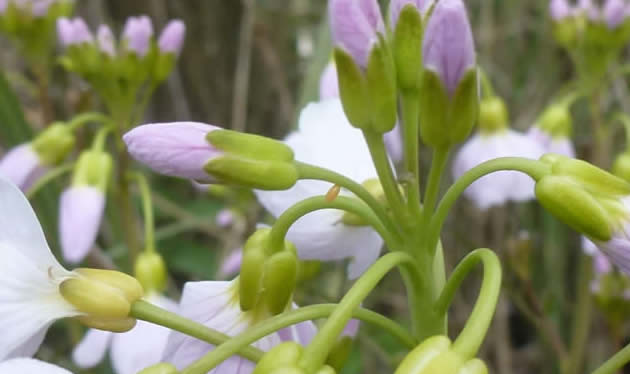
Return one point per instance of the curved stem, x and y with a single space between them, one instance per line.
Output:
469 340
318 173
410 112
289 318
615 363
49 177
84 118
98 143
534 168
147 209
352 205
145 311
386 175
316 352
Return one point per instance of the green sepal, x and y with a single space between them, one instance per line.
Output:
574 206
93 168
353 90
54 144
493 115
279 281
340 352
283 355
164 66
434 109
381 83
621 166
251 146
252 269
161 368
252 173
417 361
590 177
407 48
464 111
556 120
150 271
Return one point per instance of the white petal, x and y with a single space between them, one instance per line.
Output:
29 366
29 277
91 349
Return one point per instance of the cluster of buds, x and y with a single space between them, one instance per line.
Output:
436 355
119 68
592 33
31 23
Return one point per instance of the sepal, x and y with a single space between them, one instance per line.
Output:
435 355
407 48
93 168
54 144
353 89
150 271
381 83
283 356
253 173
493 115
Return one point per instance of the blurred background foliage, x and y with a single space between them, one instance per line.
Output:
252 65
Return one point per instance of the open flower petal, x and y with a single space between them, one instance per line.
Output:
30 366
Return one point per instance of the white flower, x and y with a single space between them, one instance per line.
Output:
216 305
561 145
325 138
131 351
30 366
500 187
29 278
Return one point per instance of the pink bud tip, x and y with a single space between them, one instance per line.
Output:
137 33
172 37
106 42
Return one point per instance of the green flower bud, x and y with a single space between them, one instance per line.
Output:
161 368
556 121
279 280
493 115
408 48
435 355
150 271
93 168
250 146
108 324
284 355
590 177
253 173
53 144
621 166
353 89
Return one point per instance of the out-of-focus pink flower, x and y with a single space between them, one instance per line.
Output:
614 13
352 328
73 32
448 46
22 166
106 42
396 6
561 145
224 218
355 25
80 213
137 33
329 83
177 149
172 38
560 9
232 264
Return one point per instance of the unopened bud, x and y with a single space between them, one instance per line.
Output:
150 270
283 355
54 144
493 115
108 324
93 168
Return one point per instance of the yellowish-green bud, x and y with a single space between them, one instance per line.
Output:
150 271
93 168
407 48
128 285
435 355
161 368
493 115
108 324
283 355
54 144
590 177
95 298
280 280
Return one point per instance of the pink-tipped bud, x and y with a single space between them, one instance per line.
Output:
177 149
355 25
396 6
224 218
22 166
448 47
106 42
329 83
614 13
560 9
80 214
3 6
589 9
73 32
172 37
39 8
137 33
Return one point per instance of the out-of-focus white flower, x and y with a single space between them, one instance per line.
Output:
216 305
561 145
30 366
131 351
501 187
325 138
232 263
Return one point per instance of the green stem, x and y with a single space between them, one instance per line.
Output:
582 317
304 207
410 114
615 363
533 168
625 121
486 85
147 209
386 175
316 352
98 144
145 311
289 318
469 340
440 156
49 177
317 173
84 118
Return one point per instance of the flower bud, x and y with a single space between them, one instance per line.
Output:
355 25
137 34
172 37
560 10
493 115
161 368
406 23
95 298
591 178
614 13
73 32
106 41
449 100
108 324
621 166
435 355
280 280
54 144
93 168
22 166
150 271
283 355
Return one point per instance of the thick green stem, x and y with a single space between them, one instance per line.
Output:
615 363
352 205
317 173
386 175
49 177
147 209
145 311
289 318
440 156
316 352
469 340
533 168
410 116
